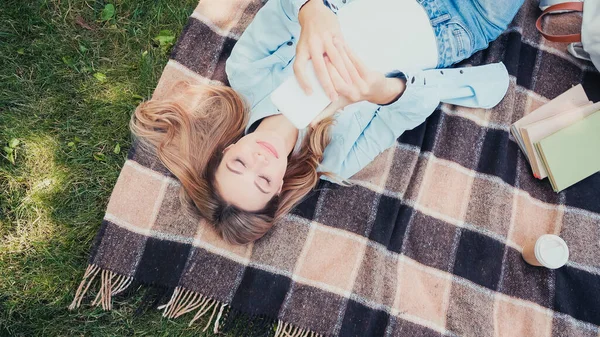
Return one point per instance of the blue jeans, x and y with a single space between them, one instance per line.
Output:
462 27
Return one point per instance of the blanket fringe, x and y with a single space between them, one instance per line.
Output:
108 287
181 302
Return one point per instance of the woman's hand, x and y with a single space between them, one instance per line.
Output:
320 27
367 85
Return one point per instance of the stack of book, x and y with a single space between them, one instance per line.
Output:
561 139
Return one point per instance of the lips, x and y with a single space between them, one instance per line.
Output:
269 148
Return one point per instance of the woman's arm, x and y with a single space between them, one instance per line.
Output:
396 106
387 124
263 47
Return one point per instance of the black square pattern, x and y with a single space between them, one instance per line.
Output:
390 223
306 208
423 135
360 320
521 280
585 194
521 61
261 292
591 84
499 156
577 293
479 259
162 262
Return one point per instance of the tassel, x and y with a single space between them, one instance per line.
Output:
216 328
183 302
202 311
193 299
200 302
211 317
88 277
104 294
177 302
167 306
278 330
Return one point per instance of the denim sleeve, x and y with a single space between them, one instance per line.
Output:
264 50
387 124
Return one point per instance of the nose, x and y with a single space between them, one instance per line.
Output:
260 158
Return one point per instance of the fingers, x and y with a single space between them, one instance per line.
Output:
334 49
300 71
323 75
339 84
360 66
352 91
352 71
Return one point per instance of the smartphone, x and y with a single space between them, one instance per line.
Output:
298 107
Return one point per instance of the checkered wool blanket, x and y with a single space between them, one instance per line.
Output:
425 243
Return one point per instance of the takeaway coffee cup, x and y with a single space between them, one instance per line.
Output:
548 251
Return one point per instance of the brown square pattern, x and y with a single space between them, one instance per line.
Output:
281 246
531 322
302 299
208 238
430 241
330 258
222 14
404 164
445 190
582 234
135 196
564 325
123 248
416 179
172 218
512 108
533 219
172 77
376 170
490 206
422 292
464 302
247 16
349 208
376 280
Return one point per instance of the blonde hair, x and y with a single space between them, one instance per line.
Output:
189 130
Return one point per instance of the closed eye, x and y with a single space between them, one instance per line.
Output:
266 179
240 161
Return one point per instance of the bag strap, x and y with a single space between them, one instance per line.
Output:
566 6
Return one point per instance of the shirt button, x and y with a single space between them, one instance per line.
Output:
290 43
344 1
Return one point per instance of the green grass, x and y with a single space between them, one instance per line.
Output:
68 84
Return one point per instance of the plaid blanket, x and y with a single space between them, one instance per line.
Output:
427 241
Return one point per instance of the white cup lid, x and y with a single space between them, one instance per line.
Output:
551 251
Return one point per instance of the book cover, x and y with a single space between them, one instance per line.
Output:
537 131
573 153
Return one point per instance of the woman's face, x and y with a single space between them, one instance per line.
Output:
252 170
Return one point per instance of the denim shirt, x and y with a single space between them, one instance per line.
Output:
263 58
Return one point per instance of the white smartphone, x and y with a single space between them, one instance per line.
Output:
294 104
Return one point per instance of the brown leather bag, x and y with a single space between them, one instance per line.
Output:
560 8
585 45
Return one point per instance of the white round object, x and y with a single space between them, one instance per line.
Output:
551 251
